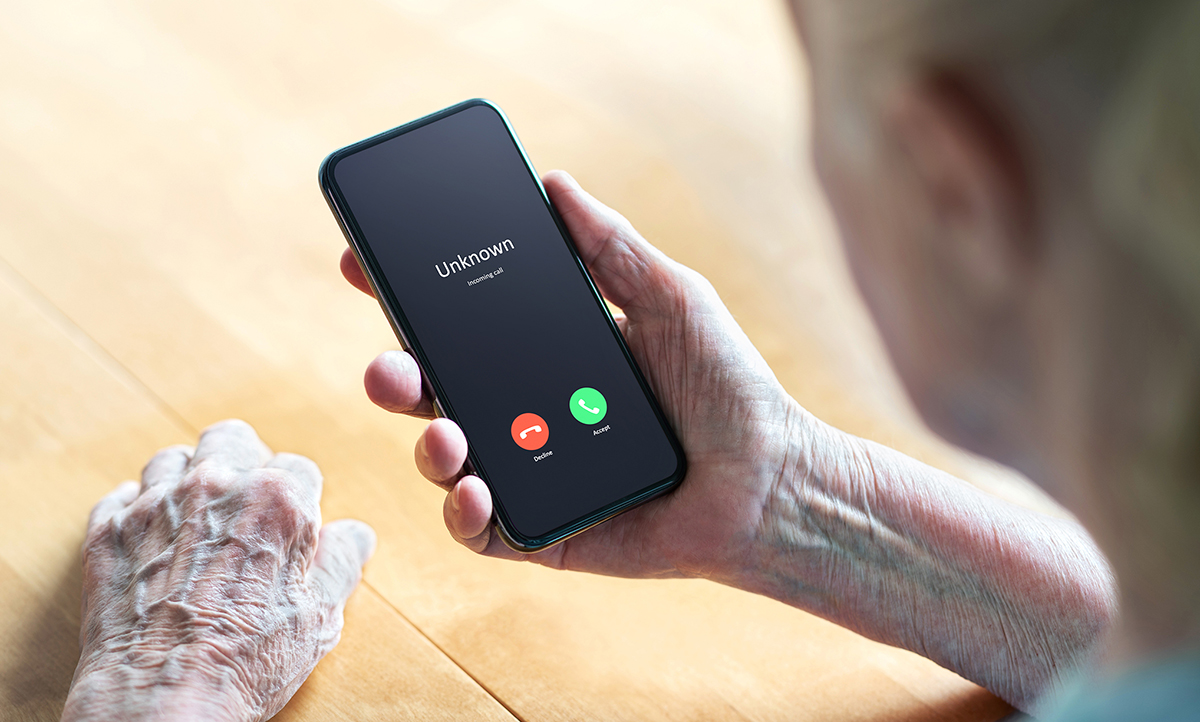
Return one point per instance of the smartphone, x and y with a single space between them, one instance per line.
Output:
482 283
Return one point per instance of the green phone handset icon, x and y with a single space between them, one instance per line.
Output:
588 405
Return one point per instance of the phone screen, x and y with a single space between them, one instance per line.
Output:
451 223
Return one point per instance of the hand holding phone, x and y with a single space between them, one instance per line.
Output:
482 283
713 385
775 502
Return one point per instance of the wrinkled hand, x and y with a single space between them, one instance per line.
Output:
734 420
778 503
211 589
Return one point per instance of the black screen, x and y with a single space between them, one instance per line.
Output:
493 298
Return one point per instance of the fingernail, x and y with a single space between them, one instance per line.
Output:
454 496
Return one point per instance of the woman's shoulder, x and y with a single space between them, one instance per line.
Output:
1164 691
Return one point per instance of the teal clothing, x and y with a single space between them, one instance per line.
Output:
1168 691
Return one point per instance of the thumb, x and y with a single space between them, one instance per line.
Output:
629 271
342 550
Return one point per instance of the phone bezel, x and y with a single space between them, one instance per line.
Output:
395 315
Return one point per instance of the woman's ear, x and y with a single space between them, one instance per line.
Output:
966 163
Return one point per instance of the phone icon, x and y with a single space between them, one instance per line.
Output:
588 405
530 432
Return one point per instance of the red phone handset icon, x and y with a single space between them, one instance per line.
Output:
530 432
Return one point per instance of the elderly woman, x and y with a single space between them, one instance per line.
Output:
1018 187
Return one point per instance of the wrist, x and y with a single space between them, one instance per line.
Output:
167 686
907 555
810 515
734 536
858 534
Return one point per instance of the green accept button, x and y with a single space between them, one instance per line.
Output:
588 406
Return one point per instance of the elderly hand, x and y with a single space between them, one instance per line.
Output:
211 589
778 503
735 421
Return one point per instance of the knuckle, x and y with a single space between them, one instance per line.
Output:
141 511
275 487
279 502
163 454
205 480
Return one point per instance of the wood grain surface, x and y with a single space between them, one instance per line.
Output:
166 261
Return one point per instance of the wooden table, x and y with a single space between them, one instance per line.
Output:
166 261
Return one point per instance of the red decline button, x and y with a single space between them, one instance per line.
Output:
530 432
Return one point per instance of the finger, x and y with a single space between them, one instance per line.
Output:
441 452
342 549
468 515
354 273
630 272
303 469
393 382
232 444
167 466
113 502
